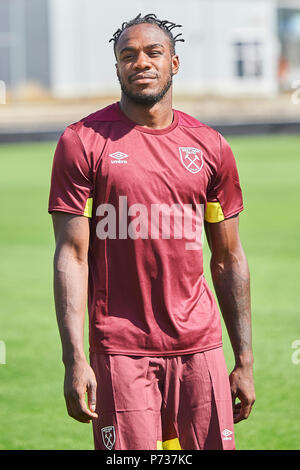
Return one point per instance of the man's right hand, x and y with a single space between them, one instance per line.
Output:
79 380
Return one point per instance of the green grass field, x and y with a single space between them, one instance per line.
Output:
32 409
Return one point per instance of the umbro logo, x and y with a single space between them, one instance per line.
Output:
118 157
227 435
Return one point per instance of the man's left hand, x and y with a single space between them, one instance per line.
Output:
242 387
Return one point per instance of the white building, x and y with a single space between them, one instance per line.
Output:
231 46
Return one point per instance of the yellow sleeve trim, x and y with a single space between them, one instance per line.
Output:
172 444
213 212
88 207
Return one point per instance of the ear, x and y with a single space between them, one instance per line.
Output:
175 64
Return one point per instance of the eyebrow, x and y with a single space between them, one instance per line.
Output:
150 46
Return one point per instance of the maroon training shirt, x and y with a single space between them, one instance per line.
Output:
145 191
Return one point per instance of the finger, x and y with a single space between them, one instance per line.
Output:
73 411
236 409
91 393
80 410
85 412
237 406
69 408
79 415
244 412
234 394
234 404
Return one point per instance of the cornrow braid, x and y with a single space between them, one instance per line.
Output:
151 18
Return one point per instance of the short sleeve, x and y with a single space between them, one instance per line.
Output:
224 195
71 187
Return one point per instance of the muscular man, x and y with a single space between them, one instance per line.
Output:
132 187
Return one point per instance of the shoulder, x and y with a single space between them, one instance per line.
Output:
185 120
91 132
101 117
206 134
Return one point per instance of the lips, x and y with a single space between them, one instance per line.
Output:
143 78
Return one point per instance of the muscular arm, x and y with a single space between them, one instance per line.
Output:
70 292
230 275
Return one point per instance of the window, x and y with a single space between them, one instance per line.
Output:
248 61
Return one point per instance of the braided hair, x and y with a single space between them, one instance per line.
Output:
151 18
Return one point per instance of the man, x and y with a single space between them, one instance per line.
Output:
129 183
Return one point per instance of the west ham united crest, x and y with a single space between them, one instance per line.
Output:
191 158
108 436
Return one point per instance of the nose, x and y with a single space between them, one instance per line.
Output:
142 62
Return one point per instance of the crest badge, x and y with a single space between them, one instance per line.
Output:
191 158
108 436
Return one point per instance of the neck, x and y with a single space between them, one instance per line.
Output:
156 116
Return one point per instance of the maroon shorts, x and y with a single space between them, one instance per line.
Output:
149 403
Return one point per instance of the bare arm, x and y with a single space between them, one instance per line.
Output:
230 274
70 292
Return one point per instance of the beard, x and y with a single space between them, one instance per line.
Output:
143 98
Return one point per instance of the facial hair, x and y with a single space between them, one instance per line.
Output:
146 99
